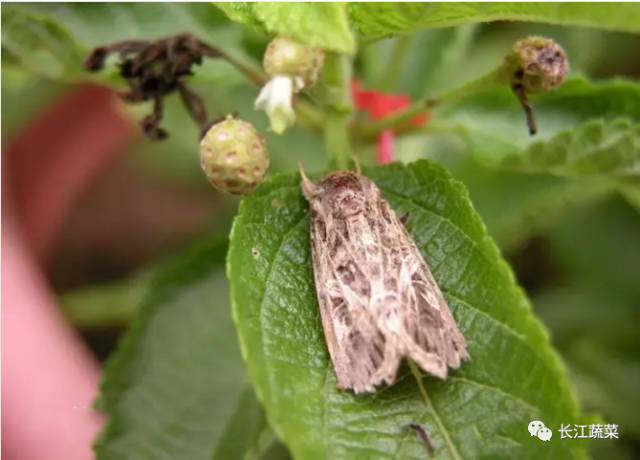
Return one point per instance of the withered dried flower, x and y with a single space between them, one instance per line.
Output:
378 300
154 69
536 65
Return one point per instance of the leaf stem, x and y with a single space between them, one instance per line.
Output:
487 81
251 73
338 109
308 115
427 400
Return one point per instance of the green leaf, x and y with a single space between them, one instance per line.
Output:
53 39
482 410
40 44
24 95
248 435
176 387
242 12
518 206
377 20
596 147
590 304
631 192
106 305
318 24
493 123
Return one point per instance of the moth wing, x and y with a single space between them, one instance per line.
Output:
432 337
353 338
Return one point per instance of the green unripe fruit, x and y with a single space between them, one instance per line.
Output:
234 156
537 64
287 57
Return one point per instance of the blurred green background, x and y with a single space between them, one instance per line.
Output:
577 259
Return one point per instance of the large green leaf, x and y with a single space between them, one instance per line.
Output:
494 126
40 44
518 206
596 147
482 410
176 387
376 20
318 24
590 304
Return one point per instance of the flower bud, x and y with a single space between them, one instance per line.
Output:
287 57
537 64
291 66
234 156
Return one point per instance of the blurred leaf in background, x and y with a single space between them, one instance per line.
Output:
177 387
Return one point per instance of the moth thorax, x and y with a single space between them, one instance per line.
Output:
346 202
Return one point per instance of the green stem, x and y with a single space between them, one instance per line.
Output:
399 120
338 109
308 115
488 81
336 140
251 73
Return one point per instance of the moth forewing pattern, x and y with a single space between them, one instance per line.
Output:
378 299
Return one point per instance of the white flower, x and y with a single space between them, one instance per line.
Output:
275 99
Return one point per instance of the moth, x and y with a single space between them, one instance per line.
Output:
379 302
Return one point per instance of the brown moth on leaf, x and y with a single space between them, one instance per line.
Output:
378 300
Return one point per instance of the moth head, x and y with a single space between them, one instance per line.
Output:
342 193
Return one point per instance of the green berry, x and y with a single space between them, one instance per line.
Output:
234 156
285 56
538 64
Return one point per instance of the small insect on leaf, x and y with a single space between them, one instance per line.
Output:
423 434
378 299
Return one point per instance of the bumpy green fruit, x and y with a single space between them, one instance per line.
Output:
287 57
538 64
234 156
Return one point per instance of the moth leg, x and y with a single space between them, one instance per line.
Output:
390 362
150 124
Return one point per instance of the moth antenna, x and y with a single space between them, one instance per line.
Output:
308 188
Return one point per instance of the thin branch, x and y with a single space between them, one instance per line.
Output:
195 106
521 94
